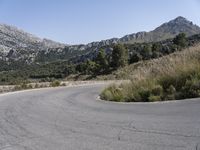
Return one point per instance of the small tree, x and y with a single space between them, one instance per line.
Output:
119 56
90 67
101 61
180 40
156 47
55 83
156 50
146 51
135 57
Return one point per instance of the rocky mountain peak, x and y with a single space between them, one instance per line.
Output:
179 19
178 25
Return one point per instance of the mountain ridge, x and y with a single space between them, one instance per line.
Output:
16 44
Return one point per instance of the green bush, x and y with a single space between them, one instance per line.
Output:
112 93
153 98
24 86
145 94
180 40
191 88
106 95
171 90
157 91
17 88
55 83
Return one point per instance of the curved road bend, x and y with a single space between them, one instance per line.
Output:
73 119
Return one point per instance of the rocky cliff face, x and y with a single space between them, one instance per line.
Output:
18 45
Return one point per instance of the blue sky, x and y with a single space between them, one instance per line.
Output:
83 21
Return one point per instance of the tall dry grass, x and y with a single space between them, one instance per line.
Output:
163 65
160 79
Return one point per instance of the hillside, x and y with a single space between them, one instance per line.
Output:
176 76
154 67
102 67
20 46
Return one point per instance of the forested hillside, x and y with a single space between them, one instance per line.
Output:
103 62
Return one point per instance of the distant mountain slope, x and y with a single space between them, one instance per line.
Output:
13 37
165 31
17 45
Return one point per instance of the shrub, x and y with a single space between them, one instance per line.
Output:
106 95
157 90
145 94
63 84
153 98
36 85
17 88
30 86
170 97
24 86
55 83
112 93
171 90
191 88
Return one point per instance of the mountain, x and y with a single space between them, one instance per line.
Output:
165 31
17 45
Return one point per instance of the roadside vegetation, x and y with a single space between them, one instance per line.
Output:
176 76
104 64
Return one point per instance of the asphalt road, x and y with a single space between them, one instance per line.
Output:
73 119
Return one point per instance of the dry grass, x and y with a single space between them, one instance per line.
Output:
155 67
172 71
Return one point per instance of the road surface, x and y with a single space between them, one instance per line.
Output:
71 118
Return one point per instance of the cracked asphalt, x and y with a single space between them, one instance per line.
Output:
71 118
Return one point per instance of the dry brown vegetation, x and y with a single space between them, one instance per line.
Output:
175 76
156 67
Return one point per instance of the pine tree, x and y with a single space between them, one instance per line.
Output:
101 61
180 40
119 56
